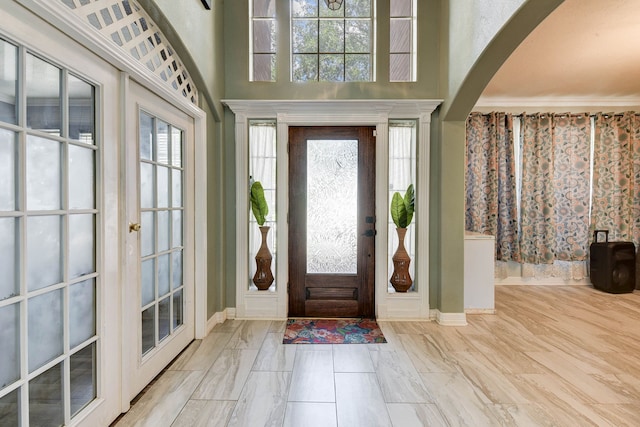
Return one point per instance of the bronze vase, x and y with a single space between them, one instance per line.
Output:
263 277
401 279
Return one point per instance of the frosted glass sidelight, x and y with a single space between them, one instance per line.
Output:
164 319
163 231
43 95
46 407
7 168
176 188
163 186
332 206
148 233
44 253
148 329
82 312
8 257
44 174
177 228
177 309
148 281
81 178
10 344
82 378
8 82
45 328
162 142
146 136
81 110
147 187
176 147
9 405
177 269
81 245
163 275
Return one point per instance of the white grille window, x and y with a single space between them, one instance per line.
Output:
129 26
263 40
402 41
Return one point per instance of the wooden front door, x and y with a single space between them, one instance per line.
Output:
331 221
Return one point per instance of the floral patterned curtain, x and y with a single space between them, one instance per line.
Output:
555 188
490 181
616 176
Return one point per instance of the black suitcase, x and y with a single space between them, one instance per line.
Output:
612 265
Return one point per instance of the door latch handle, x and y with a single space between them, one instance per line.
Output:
370 233
134 227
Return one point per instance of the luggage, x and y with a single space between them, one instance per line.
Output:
612 265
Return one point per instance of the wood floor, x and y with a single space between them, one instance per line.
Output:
551 356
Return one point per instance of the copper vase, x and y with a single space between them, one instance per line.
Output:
263 277
401 279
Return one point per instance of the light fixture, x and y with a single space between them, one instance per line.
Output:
333 4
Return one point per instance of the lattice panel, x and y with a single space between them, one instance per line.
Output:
130 27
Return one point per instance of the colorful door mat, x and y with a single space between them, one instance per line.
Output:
333 331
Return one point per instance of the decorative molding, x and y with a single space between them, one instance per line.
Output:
557 102
358 112
451 319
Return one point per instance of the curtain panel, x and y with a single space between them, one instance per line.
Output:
555 187
491 204
616 176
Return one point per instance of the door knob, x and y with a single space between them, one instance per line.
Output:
134 227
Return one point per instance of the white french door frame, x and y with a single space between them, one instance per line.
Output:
56 14
273 305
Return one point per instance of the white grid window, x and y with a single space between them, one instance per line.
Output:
263 31
402 41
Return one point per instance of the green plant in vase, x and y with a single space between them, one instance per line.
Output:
263 277
402 210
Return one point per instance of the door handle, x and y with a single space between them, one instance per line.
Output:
134 227
370 233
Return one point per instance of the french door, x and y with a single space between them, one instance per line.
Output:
159 287
331 221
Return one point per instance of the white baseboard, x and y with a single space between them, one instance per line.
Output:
551 281
220 317
451 319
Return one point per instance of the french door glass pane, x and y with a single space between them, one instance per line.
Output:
81 110
81 245
43 95
9 409
81 178
45 323
82 312
161 203
46 406
44 254
8 82
10 344
82 366
7 169
8 257
178 308
332 206
44 174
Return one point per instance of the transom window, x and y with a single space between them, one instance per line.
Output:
332 45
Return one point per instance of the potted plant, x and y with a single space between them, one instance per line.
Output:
402 209
263 277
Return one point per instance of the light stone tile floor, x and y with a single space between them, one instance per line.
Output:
551 356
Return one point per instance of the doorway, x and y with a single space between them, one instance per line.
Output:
331 221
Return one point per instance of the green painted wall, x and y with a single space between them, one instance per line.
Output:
461 45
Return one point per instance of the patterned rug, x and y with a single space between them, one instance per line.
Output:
332 331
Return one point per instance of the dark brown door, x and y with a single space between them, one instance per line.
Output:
331 221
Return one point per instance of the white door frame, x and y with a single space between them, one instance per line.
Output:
58 15
263 304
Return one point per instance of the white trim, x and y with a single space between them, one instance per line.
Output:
550 281
265 304
217 318
451 319
557 102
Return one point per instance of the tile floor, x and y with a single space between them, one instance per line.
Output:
551 356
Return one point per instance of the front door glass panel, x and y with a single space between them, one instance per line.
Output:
332 206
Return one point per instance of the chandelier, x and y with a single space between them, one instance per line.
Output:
333 4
